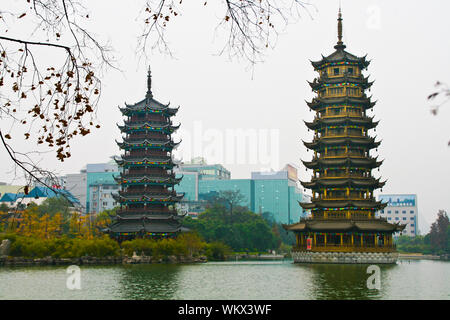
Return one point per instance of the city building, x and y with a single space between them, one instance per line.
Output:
76 184
276 193
38 195
10 189
205 171
147 196
98 174
401 208
343 227
100 195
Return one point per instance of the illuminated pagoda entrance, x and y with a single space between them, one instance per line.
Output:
147 196
342 227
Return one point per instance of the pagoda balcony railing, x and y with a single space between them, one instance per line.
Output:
319 136
153 136
145 153
138 156
138 173
348 248
149 140
150 175
349 154
343 216
147 120
331 198
148 192
340 114
144 211
349 175
343 135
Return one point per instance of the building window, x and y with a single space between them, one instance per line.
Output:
404 211
336 71
396 211
404 218
396 218
389 211
412 224
412 211
382 211
350 70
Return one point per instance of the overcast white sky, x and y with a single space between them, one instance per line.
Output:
407 42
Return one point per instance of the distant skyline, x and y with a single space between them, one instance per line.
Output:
221 99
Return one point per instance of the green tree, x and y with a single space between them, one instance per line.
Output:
54 205
231 199
439 233
246 232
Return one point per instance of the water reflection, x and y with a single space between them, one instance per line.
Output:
283 280
344 281
153 281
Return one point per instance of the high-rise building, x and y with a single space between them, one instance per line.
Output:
98 174
100 194
401 208
76 183
343 226
275 193
147 196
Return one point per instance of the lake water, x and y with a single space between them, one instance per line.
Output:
279 280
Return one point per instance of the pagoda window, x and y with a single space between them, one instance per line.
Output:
350 71
335 91
336 71
353 91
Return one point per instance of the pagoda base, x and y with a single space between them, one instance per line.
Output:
345 257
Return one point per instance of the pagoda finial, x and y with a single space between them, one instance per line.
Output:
149 83
340 44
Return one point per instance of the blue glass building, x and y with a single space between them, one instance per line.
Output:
273 192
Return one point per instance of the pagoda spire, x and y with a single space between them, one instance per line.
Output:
149 83
340 44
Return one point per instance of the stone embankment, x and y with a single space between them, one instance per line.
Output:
6 260
49 261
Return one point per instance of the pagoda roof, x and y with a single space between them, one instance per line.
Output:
148 125
344 225
319 102
333 141
367 122
147 179
153 226
143 216
338 182
146 197
147 143
321 204
146 159
341 56
345 80
356 162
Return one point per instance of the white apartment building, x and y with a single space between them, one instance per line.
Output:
401 208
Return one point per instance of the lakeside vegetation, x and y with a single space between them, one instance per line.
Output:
53 230
437 241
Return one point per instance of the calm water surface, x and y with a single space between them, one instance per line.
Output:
279 280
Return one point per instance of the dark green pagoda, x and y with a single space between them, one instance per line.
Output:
147 196
343 227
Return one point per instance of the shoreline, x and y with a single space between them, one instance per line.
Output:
419 256
92 261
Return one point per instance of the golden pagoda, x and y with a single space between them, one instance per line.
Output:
342 227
